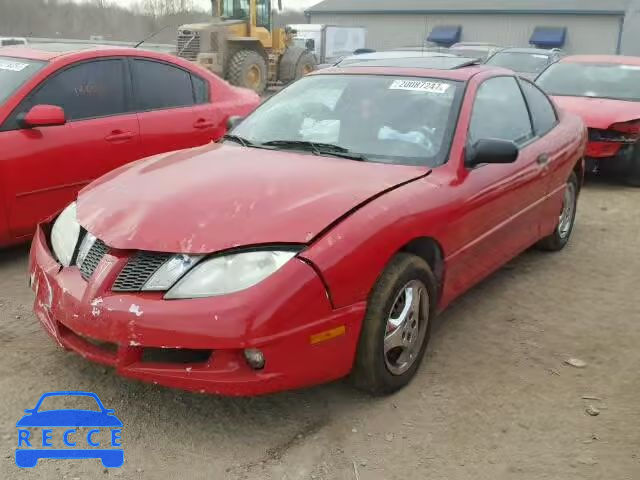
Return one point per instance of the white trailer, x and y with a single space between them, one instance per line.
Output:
330 42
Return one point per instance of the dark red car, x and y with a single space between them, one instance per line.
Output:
70 114
320 238
605 91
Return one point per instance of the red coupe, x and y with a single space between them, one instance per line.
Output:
605 91
320 238
69 114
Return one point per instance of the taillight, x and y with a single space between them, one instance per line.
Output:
632 127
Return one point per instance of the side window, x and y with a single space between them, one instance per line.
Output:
159 86
87 90
200 89
499 112
542 112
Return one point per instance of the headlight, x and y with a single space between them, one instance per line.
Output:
170 272
64 235
229 273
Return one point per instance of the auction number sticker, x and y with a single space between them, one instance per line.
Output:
419 86
13 66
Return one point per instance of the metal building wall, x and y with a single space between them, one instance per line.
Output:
631 31
597 34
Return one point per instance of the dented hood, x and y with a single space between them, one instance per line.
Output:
600 112
221 196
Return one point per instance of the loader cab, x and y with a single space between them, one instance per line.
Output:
241 10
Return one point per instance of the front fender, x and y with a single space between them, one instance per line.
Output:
352 255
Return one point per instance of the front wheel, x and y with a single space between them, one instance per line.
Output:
560 236
395 330
248 69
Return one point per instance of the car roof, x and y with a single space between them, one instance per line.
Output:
461 73
434 61
54 51
533 51
613 59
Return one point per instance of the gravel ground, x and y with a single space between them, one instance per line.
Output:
493 399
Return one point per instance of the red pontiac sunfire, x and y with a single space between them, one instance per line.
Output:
320 238
605 91
71 113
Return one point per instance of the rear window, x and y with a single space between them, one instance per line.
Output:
618 82
14 72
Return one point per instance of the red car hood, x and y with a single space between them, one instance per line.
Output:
600 112
216 197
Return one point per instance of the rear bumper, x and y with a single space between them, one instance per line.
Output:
198 344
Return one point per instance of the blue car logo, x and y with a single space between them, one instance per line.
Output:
61 429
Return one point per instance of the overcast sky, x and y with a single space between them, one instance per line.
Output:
297 4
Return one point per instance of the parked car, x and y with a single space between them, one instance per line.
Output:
528 62
69 114
479 50
388 55
605 91
320 238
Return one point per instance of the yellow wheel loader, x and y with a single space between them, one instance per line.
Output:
241 45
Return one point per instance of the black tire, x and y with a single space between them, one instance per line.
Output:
248 69
371 373
633 177
306 64
559 238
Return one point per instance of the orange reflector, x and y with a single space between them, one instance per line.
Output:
327 335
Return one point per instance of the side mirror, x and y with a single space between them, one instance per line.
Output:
43 116
491 150
233 122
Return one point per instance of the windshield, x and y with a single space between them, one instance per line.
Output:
401 120
520 62
619 82
14 72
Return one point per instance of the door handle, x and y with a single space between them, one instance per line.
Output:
119 136
203 123
543 160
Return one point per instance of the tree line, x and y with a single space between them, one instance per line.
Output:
65 19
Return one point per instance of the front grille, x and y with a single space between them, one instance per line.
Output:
97 251
138 270
188 44
175 355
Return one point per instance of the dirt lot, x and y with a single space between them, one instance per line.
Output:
493 399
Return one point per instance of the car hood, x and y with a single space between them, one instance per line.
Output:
600 112
69 418
218 197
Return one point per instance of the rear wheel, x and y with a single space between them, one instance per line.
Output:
633 177
306 64
395 330
248 69
560 236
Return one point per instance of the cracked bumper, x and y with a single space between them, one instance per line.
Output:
284 316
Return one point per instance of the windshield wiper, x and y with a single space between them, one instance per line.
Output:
241 140
317 148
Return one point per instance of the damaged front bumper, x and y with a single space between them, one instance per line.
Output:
198 344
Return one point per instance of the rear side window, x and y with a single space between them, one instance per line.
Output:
500 112
87 90
542 112
200 89
159 86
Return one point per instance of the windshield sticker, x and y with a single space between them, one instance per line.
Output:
419 86
13 66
